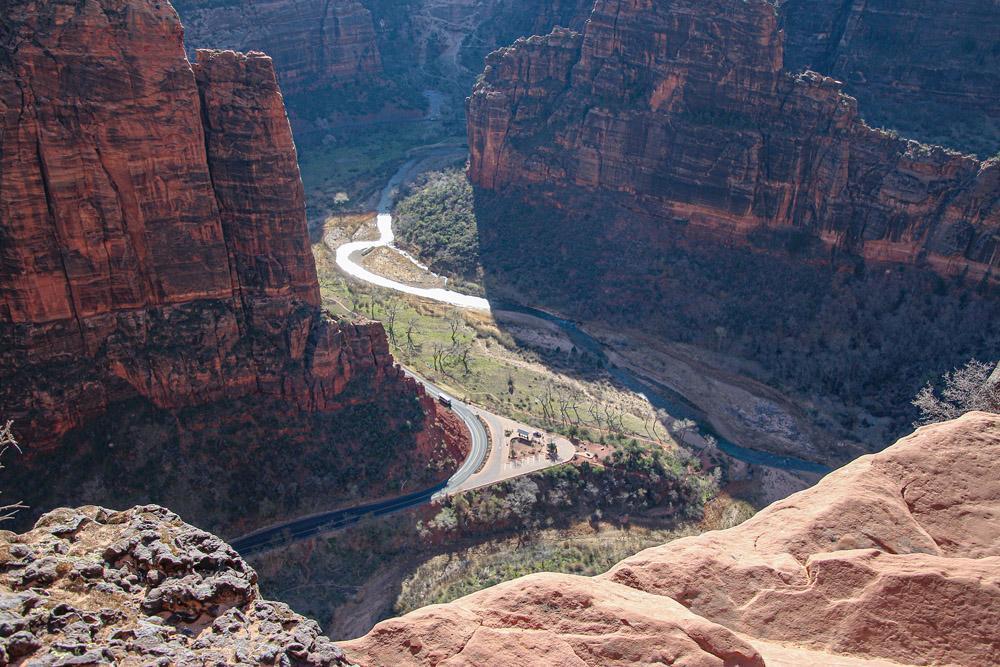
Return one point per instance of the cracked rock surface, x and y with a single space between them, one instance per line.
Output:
90 586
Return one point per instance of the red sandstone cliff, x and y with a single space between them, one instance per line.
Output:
314 44
156 268
893 559
683 111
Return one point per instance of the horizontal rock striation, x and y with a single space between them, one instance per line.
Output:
95 587
685 112
929 69
893 559
155 255
314 44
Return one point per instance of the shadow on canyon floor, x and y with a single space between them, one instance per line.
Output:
850 343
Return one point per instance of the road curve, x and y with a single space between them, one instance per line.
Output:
387 238
477 433
325 522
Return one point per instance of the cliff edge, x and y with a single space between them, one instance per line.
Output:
95 587
893 559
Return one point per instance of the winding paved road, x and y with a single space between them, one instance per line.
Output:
346 253
325 522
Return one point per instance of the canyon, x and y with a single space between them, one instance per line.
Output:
665 170
649 103
357 47
160 307
313 44
347 62
668 180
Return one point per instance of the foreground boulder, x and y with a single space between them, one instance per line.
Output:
90 586
894 558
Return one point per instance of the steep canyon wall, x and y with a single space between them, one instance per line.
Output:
158 285
666 170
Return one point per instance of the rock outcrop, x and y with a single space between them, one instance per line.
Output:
95 587
314 44
684 110
928 69
156 268
893 559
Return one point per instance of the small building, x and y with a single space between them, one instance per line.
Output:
523 435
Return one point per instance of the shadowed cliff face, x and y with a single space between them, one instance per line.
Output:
687 112
928 69
893 559
155 262
663 171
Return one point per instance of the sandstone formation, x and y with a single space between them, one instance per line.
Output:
893 559
928 69
684 110
314 44
95 587
156 268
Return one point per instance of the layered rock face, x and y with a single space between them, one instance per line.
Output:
664 171
95 587
928 69
893 559
685 112
500 22
156 266
314 44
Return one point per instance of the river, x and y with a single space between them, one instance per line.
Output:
659 396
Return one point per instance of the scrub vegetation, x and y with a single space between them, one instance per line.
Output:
435 220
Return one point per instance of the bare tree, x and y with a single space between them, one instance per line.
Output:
391 311
575 401
595 413
7 440
438 356
455 323
462 352
615 418
650 420
409 334
565 403
975 386
682 427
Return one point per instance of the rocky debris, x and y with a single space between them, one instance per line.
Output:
90 586
893 559
678 119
